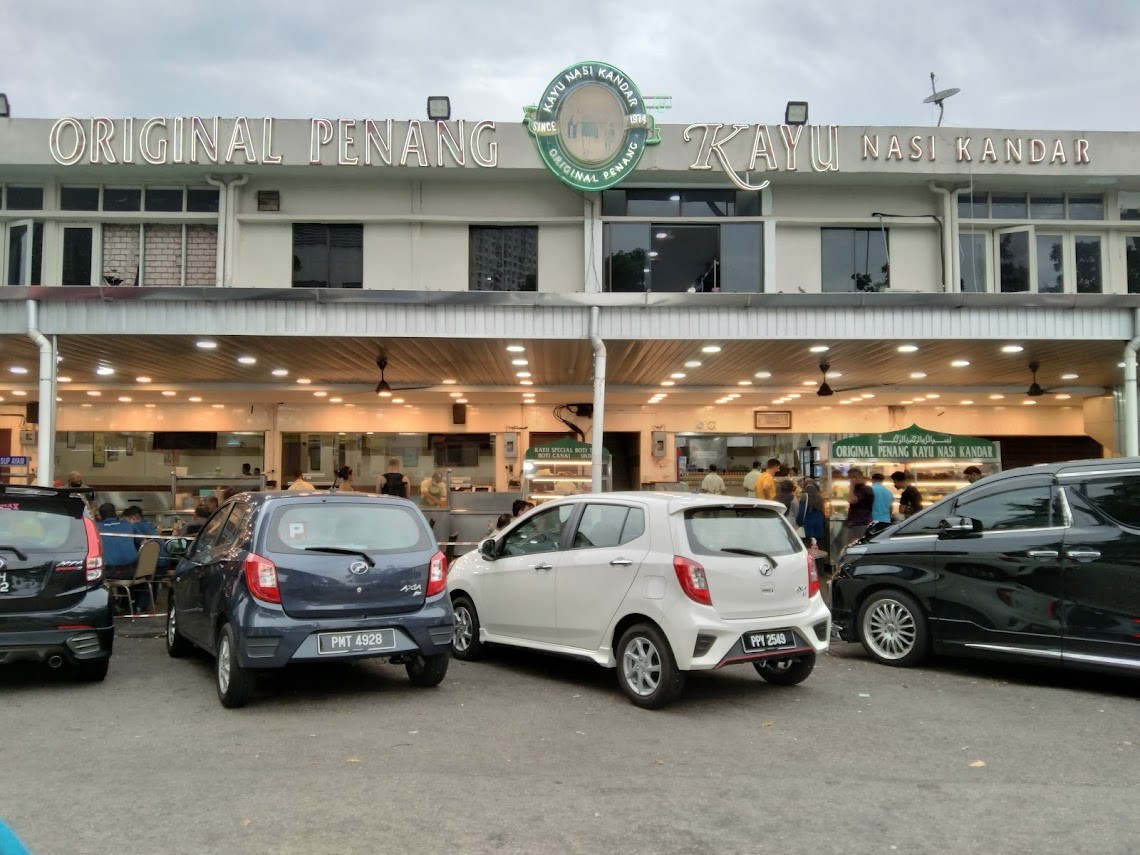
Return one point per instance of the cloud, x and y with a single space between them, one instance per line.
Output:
1047 65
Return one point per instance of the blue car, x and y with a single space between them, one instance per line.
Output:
284 577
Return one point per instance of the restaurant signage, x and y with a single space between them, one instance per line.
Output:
563 449
914 443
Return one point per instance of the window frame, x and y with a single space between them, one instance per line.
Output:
883 232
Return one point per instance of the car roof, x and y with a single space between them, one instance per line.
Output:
1068 468
673 502
262 498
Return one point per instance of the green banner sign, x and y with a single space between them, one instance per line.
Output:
914 443
591 126
563 449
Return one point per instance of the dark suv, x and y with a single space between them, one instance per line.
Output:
54 607
277 578
1038 564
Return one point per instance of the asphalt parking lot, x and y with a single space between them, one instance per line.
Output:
526 754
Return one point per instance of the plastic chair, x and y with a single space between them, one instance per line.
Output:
144 575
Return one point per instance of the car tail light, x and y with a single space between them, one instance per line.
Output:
261 578
93 563
437 575
691 575
813 577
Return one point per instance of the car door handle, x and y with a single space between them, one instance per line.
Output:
1083 554
1043 553
620 562
543 566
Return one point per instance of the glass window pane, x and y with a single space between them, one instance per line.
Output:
1119 498
1050 264
854 260
972 249
1047 207
1026 507
25 198
684 258
1129 205
627 256
163 199
653 203
708 203
77 244
972 207
122 199
1086 207
310 255
1088 263
1009 206
741 257
17 250
1013 258
1132 262
199 201
346 256
747 204
613 203
79 198
504 259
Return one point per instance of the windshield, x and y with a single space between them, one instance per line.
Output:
740 531
33 523
373 527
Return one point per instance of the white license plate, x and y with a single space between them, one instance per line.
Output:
774 639
357 641
5 585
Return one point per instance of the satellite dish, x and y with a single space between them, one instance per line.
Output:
939 96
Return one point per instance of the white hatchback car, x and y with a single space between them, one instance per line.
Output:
652 584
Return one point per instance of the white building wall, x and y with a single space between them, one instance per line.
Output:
798 260
264 256
916 263
560 254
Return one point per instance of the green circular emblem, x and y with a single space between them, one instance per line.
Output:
591 126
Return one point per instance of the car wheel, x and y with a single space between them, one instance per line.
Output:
92 672
786 672
465 644
893 629
177 645
234 682
427 671
646 670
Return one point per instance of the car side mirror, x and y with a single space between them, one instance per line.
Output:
177 547
959 527
487 549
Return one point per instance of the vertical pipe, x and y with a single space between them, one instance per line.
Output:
232 229
597 460
1131 428
220 249
948 251
44 450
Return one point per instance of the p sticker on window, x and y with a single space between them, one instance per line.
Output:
297 531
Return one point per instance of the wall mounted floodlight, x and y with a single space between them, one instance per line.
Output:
5 112
438 108
796 113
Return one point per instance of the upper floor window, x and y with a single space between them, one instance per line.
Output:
1032 258
328 255
1129 205
855 260
675 257
504 258
1030 206
679 203
194 200
23 198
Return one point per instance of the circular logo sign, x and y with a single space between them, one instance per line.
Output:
358 568
591 126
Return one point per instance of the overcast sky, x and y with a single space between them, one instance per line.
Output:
1047 64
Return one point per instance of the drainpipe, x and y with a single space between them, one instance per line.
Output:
223 214
596 449
231 228
1131 428
948 253
954 243
44 451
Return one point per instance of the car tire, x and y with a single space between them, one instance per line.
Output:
427 671
892 628
177 645
786 672
465 644
234 683
646 670
92 672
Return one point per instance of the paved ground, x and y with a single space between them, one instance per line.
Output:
524 754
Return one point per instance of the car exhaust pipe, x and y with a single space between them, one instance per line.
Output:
55 661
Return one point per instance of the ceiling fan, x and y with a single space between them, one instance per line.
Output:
384 389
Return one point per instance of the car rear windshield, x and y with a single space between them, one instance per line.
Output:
372 527
34 524
719 531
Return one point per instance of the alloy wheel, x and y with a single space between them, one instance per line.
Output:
641 665
171 628
889 629
463 629
224 663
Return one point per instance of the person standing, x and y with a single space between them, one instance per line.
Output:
299 482
394 482
811 511
972 473
433 491
910 500
766 481
749 482
343 483
881 507
713 483
859 503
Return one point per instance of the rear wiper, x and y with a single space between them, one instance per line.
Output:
740 550
19 553
340 550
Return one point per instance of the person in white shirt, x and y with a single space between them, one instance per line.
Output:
299 482
750 479
713 483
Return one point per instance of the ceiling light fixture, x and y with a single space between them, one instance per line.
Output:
819 348
169 393
247 360
63 379
104 370
1012 348
515 348
678 375
762 375
1063 376
142 379
917 375
711 348
194 399
94 394
280 372
205 344
960 363
907 348
304 381
519 362
18 369
447 381
693 363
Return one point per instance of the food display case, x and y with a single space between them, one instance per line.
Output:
561 468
